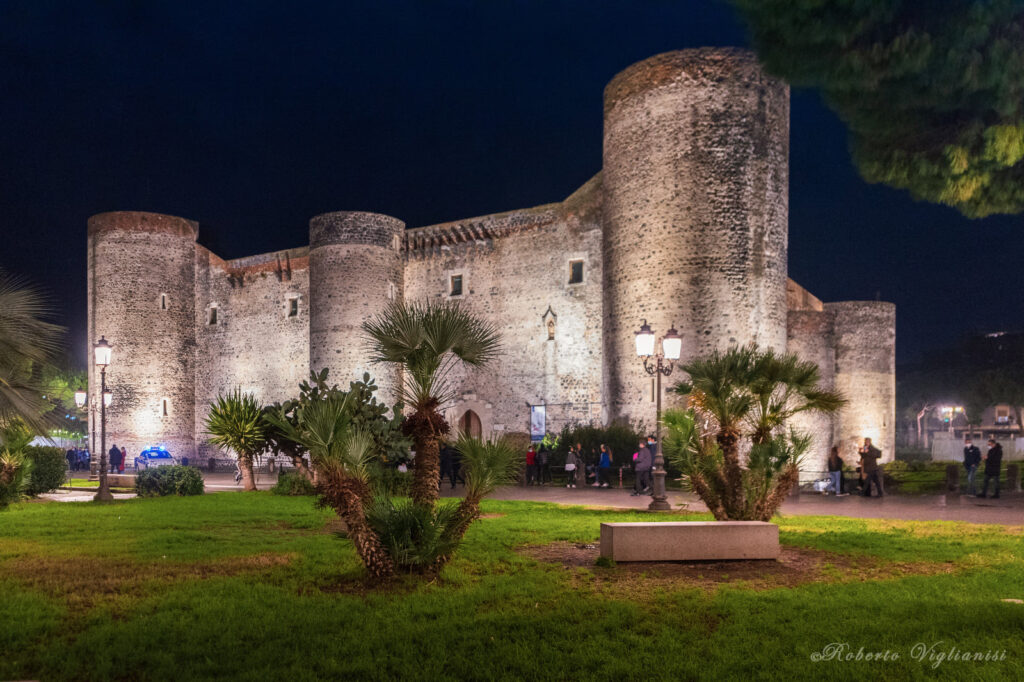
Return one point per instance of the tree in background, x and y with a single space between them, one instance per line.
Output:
739 403
932 93
235 423
427 341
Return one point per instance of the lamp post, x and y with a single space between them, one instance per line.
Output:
671 345
102 352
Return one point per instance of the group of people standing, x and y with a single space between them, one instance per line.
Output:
116 459
578 470
538 470
869 468
993 460
78 459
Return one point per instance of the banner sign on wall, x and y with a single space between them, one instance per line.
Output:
538 426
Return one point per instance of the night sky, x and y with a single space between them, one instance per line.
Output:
252 117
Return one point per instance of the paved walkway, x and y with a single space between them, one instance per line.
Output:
1009 509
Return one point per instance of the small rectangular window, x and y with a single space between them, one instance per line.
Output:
293 307
212 318
456 285
163 301
575 272
163 406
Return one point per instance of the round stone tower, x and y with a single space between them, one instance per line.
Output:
355 270
865 338
696 163
141 297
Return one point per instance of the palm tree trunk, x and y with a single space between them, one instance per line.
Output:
465 515
783 484
732 501
711 499
426 426
347 496
248 480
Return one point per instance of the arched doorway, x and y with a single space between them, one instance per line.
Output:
469 423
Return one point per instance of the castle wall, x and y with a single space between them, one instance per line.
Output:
140 280
355 271
865 342
254 344
810 336
515 270
695 210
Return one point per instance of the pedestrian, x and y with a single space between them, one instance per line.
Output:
835 471
644 462
114 455
531 465
456 470
83 460
572 467
870 470
604 467
72 457
993 462
446 463
121 460
543 471
972 459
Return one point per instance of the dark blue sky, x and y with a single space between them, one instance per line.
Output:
251 117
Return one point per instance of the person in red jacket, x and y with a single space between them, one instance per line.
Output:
531 466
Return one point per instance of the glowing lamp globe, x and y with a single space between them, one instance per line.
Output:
80 397
672 344
645 341
102 351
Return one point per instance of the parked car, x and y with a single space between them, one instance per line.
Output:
153 457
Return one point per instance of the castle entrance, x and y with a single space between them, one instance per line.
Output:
469 424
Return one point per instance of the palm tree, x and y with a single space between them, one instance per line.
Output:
235 423
341 455
427 340
28 345
744 393
485 466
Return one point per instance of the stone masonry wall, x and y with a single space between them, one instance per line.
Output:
865 340
254 344
810 336
515 270
695 210
140 279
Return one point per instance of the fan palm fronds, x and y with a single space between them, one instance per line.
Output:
235 423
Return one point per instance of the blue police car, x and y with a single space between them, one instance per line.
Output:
156 456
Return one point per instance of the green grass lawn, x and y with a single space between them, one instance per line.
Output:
254 586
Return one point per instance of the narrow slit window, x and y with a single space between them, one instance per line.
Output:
576 272
456 285
163 407
212 316
293 307
163 301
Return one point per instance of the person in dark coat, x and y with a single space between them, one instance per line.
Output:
869 455
114 456
456 470
993 462
72 457
446 464
972 458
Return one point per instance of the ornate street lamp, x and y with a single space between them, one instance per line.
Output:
102 351
671 346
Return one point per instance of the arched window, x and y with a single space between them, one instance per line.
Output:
469 424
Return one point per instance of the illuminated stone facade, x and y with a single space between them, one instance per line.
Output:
686 224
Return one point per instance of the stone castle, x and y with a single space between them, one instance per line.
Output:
685 225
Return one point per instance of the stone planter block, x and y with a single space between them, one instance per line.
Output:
690 541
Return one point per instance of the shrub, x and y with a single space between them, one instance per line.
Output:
49 467
171 480
417 537
293 483
14 470
388 481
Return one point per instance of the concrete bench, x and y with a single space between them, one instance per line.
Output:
690 541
